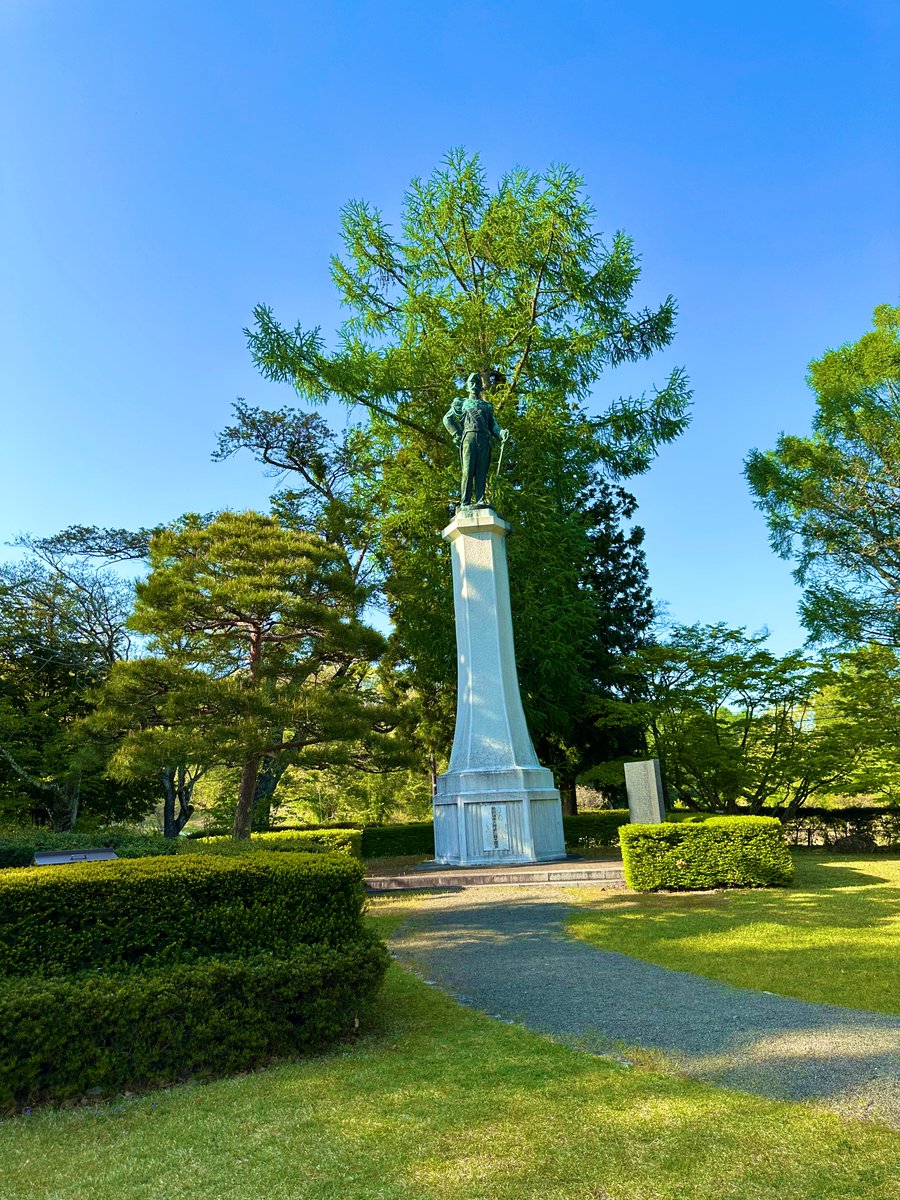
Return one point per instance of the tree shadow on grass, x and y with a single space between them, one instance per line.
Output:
511 960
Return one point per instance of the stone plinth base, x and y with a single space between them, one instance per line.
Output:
497 817
570 872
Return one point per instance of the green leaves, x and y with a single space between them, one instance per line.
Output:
516 282
257 650
720 852
831 499
736 727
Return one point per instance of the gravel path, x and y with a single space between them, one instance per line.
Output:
508 955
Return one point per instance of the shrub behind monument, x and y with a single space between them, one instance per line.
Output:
718 852
344 841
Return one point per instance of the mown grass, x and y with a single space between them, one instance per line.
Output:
440 1103
832 937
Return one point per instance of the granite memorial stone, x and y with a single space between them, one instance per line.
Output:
646 802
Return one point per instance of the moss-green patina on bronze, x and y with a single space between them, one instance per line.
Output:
473 427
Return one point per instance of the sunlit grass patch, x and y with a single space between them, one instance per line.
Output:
832 937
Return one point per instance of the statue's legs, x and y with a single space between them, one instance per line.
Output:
468 453
475 458
482 462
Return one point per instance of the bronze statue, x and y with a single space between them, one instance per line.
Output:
472 425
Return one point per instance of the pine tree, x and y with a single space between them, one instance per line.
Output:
259 653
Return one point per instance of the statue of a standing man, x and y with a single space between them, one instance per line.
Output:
472 425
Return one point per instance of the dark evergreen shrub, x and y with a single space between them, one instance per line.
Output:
598 828
393 841
68 1035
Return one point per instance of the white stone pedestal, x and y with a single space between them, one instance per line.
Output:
495 803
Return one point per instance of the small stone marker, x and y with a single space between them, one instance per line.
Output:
55 858
643 782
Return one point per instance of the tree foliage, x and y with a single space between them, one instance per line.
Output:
862 696
347 794
517 283
258 653
735 727
832 500
62 625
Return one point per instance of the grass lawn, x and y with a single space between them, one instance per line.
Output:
439 1103
833 936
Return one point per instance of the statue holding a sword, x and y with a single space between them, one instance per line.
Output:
472 425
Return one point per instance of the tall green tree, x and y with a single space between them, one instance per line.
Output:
515 282
735 726
863 696
79 557
832 500
62 625
263 652
614 579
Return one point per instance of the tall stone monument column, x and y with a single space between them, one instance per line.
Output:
495 804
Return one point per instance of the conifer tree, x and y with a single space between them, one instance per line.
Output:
516 283
830 499
258 653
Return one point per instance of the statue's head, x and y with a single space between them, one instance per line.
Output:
474 384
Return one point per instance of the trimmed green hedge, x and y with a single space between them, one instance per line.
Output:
597 828
344 841
718 852
18 849
393 841
377 841
125 974
149 911
65 1036
812 826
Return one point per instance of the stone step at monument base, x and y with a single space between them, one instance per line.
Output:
601 874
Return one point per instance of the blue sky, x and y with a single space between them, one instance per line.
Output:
169 165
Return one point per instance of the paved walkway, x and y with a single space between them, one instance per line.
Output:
508 955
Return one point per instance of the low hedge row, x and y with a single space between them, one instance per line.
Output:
344 841
599 827
718 852
393 841
18 849
377 841
108 915
95 1033
852 826
586 830
194 834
